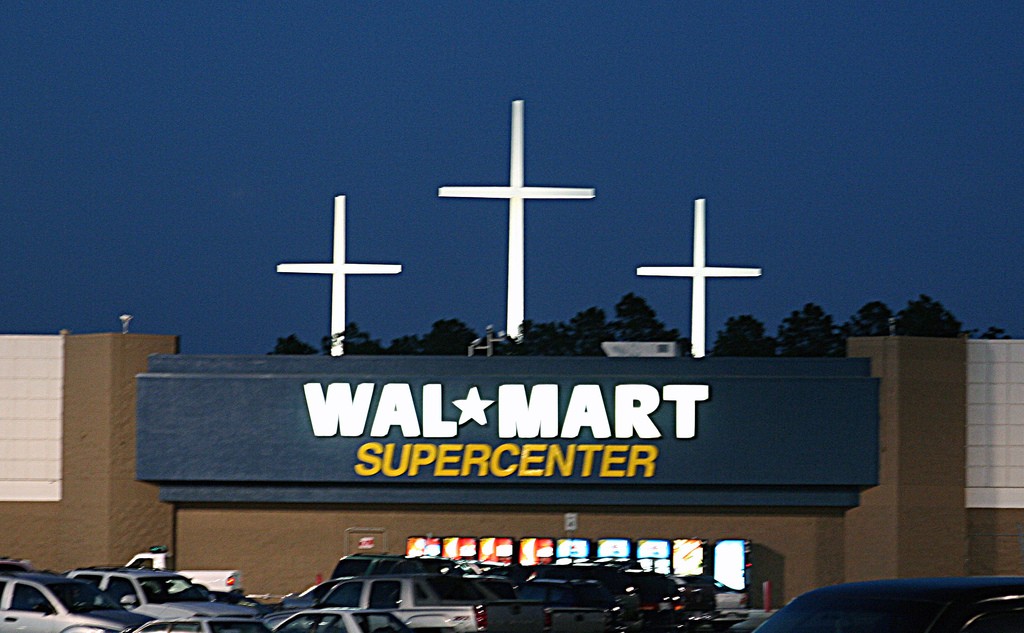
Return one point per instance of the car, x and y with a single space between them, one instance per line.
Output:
379 564
704 593
976 604
205 624
575 605
662 604
310 596
331 620
158 594
611 576
15 564
37 602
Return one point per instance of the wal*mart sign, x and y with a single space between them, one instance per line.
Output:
344 409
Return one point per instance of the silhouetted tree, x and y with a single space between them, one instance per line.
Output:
809 332
926 317
636 321
408 345
871 320
994 333
447 337
539 339
292 345
354 341
743 336
587 330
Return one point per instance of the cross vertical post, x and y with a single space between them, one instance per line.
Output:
338 269
699 272
516 193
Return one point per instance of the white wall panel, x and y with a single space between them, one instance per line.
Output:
31 409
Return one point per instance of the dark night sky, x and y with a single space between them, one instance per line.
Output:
161 159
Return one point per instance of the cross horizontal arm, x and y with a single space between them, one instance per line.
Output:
351 269
532 193
690 271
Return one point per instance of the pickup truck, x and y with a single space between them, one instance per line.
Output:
573 606
438 603
213 579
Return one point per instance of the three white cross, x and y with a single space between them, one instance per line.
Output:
516 193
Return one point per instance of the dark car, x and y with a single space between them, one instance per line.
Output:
908 605
580 595
611 576
662 606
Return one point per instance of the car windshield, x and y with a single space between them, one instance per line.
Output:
852 615
160 589
82 597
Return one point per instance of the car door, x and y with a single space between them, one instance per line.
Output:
30 611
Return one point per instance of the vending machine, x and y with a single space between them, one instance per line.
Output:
614 549
497 549
536 551
423 546
569 550
459 547
688 556
654 554
731 563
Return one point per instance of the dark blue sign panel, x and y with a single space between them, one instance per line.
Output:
593 424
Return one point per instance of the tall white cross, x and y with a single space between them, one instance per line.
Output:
516 193
700 273
338 269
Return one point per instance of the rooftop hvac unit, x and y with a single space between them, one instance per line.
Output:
629 349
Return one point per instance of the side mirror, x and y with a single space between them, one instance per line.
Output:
128 601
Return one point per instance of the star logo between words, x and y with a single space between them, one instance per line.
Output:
472 407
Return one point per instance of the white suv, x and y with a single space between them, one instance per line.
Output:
158 594
35 602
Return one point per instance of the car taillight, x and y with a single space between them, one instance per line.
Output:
231 581
547 620
481 617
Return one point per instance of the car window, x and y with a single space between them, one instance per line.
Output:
351 567
303 623
161 589
94 579
187 627
118 588
347 594
238 627
454 588
385 594
379 623
28 598
1004 622
81 597
155 627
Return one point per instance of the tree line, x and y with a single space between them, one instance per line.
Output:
809 331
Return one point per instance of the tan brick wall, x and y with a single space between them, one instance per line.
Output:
105 514
282 549
914 523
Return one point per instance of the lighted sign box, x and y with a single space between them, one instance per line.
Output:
423 546
614 549
688 556
648 432
459 547
731 564
571 549
536 551
654 555
496 549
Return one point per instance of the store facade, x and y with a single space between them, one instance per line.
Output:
829 469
